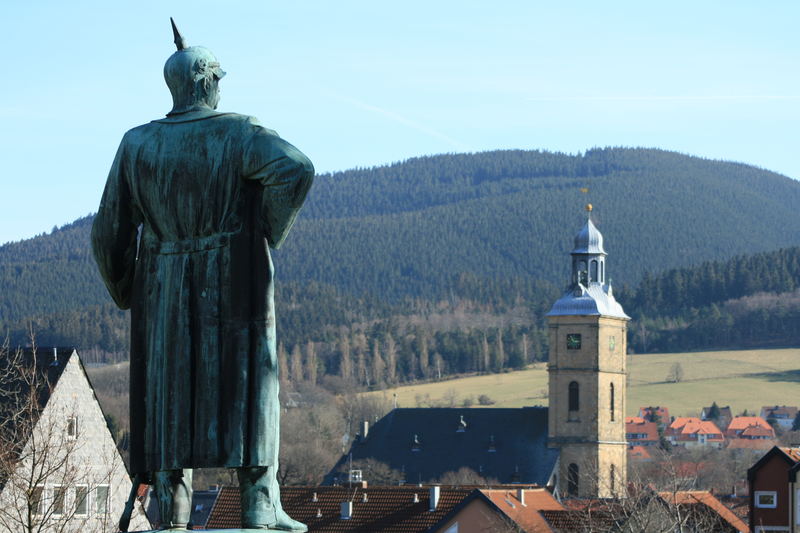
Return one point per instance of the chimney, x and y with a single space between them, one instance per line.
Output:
347 511
521 496
434 498
364 429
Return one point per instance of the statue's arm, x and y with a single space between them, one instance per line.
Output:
114 235
286 175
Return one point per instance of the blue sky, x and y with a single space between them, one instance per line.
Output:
357 84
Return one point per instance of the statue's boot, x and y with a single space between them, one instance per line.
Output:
261 501
174 495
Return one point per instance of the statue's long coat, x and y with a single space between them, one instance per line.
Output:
207 189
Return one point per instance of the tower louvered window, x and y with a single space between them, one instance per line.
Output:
574 396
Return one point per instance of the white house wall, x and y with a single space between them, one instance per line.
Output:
92 460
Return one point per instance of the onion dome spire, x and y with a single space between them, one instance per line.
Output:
180 42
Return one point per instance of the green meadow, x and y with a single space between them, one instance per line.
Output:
743 379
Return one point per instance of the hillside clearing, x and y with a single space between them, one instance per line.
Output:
743 379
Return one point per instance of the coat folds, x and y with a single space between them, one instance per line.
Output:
191 206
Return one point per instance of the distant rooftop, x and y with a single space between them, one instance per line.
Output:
508 445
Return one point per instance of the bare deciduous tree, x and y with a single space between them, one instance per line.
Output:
675 374
51 481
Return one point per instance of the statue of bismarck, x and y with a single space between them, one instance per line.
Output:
191 205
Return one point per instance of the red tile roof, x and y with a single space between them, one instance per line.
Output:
757 431
740 423
386 509
751 444
662 412
793 453
687 428
639 453
703 497
527 516
639 426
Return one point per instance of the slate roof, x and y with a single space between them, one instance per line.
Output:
589 240
517 436
779 411
386 509
594 300
724 413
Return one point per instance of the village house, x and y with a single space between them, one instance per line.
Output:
57 455
658 414
750 428
691 432
406 509
695 511
640 432
783 415
774 491
723 418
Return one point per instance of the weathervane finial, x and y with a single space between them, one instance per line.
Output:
180 42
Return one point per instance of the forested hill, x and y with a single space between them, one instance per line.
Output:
490 227
404 228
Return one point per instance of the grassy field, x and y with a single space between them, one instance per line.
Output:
743 379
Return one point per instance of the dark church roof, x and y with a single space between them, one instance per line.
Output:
509 445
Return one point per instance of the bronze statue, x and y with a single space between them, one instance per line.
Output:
180 238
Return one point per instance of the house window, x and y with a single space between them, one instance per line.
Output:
612 343
101 499
72 427
594 271
37 500
766 499
572 479
573 341
81 500
574 396
58 500
611 402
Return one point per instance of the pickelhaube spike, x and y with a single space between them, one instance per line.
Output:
180 42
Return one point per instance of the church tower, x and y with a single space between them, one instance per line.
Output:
586 416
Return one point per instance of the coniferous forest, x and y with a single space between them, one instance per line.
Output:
447 264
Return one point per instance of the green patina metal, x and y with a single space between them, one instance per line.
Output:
192 204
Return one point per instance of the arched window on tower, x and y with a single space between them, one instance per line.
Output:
572 479
574 396
602 271
582 273
612 480
611 401
594 271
